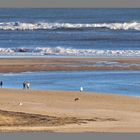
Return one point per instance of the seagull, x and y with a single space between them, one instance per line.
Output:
81 89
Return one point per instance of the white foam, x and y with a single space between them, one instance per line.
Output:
114 63
67 52
56 25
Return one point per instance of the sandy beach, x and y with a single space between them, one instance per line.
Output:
67 64
57 111
47 55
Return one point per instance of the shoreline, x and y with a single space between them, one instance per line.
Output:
68 64
91 113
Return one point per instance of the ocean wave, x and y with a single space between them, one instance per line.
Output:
55 25
67 52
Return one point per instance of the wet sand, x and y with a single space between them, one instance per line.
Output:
67 64
57 111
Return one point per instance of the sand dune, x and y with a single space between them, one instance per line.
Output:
91 113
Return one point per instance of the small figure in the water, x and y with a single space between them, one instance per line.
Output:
1 84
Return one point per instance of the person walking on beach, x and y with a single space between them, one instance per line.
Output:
26 85
1 84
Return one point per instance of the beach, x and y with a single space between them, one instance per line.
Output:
67 64
57 52
57 111
67 111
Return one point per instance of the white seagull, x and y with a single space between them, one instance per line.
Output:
81 89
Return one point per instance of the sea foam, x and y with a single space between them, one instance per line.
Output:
67 52
57 25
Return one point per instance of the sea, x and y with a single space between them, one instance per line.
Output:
72 32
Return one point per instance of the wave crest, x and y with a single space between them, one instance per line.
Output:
51 26
67 52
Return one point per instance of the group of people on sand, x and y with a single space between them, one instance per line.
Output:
26 84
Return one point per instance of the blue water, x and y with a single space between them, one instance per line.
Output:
72 32
26 31
119 82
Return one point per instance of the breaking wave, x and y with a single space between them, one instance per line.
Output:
55 25
61 51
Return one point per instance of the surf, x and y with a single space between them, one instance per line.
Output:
61 51
56 25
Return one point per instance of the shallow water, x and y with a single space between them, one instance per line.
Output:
119 82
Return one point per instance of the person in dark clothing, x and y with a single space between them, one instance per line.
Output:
1 84
24 84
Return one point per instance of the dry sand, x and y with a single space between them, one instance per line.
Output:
67 64
57 111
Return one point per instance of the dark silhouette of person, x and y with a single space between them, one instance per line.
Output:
24 84
1 84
